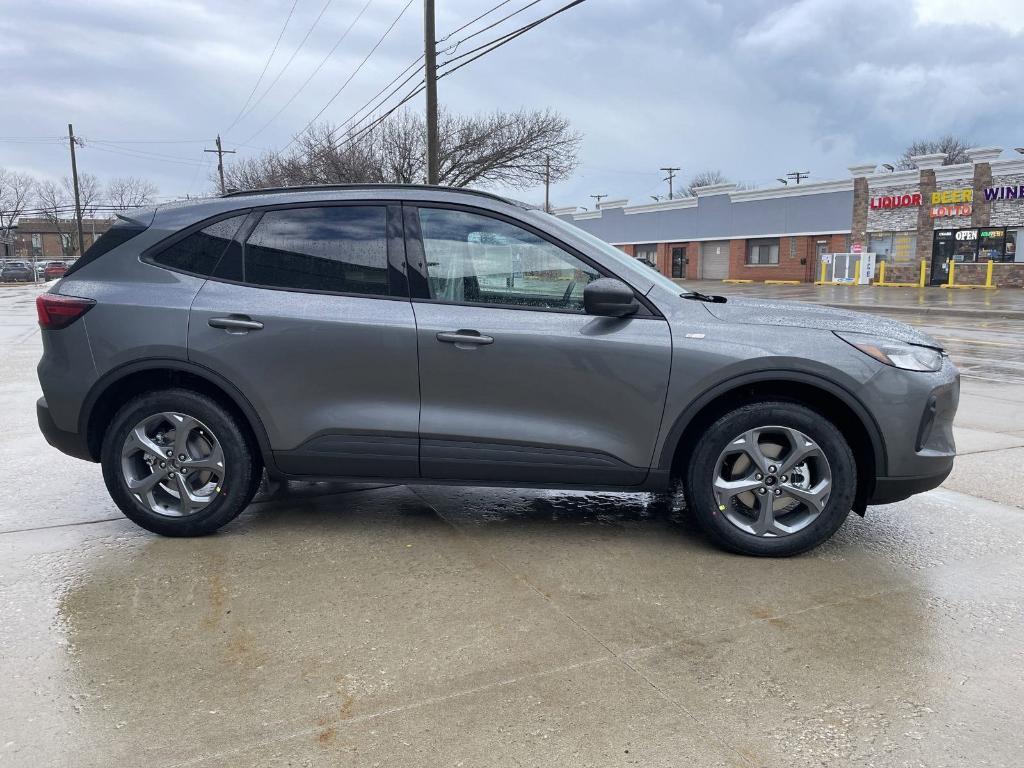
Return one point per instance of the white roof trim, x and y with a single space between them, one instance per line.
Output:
728 237
714 189
795 190
587 215
564 211
1011 166
620 203
662 205
955 172
894 178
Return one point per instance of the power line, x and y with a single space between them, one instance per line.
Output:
471 22
502 40
379 104
290 60
457 43
265 66
354 73
313 74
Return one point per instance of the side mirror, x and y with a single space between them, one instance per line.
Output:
609 297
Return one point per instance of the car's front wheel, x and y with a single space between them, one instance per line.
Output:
177 463
771 479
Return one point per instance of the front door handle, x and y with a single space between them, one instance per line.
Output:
235 323
463 336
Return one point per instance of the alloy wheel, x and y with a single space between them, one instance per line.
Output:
173 464
772 481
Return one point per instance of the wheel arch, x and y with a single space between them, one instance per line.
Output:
116 386
827 398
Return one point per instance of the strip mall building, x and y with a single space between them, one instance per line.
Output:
970 213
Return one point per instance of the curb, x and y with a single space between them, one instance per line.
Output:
1003 314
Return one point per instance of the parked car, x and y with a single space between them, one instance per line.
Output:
54 270
383 333
16 271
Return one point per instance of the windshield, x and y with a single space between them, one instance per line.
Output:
618 255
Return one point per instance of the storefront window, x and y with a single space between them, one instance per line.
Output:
1013 236
990 244
904 247
647 253
880 244
763 251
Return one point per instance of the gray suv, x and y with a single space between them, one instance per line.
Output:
430 335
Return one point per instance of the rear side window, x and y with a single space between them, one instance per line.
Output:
342 249
200 251
119 233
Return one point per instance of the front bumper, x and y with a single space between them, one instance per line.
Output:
71 443
889 490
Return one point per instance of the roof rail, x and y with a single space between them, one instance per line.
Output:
327 187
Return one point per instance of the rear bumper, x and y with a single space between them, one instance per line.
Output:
71 443
892 489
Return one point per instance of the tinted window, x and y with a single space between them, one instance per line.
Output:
475 259
340 248
200 251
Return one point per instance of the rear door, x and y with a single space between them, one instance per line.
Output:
714 260
312 323
517 383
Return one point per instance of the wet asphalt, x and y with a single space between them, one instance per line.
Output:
392 625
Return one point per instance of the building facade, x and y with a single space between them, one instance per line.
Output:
46 239
970 214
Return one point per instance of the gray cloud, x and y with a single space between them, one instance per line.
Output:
755 88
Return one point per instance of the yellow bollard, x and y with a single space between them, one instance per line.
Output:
824 271
881 273
988 275
924 269
856 272
952 270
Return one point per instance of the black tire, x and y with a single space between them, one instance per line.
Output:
702 468
242 469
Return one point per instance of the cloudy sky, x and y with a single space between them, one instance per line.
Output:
755 88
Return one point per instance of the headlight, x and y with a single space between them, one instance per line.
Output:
898 354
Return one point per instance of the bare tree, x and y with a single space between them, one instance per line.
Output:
124 192
90 192
57 207
508 148
705 179
953 147
16 191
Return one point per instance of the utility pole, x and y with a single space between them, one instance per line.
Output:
547 183
74 179
597 201
671 175
798 175
220 160
430 75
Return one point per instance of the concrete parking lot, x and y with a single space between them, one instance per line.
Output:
415 626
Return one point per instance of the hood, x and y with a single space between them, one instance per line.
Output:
801 315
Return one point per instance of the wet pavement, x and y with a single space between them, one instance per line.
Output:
389 625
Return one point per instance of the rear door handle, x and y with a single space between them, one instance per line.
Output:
463 336
235 323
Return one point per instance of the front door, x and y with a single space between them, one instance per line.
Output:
316 331
517 383
678 261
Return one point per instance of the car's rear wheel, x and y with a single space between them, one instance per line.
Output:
771 479
177 463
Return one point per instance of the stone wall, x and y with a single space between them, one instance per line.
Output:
1007 213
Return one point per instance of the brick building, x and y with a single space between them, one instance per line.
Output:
44 239
970 213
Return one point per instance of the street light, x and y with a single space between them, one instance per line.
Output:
1019 149
782 181
888 167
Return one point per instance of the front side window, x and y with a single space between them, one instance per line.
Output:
475 259
200 251
341 249
760 252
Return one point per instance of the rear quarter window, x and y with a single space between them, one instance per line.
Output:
119 233
200 251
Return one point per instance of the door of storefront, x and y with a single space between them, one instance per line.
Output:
961 246
714 260
678 261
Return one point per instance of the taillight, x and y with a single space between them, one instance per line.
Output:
56 311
